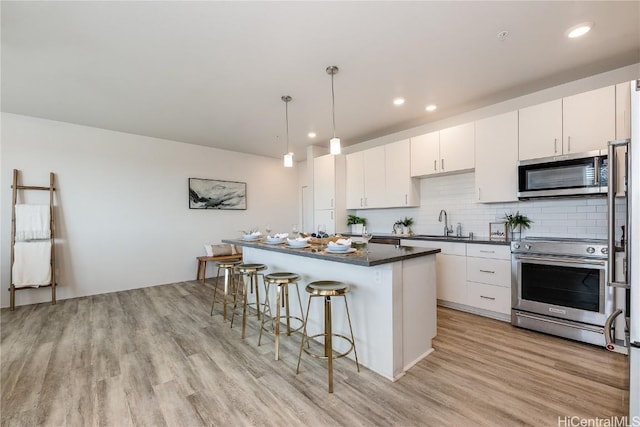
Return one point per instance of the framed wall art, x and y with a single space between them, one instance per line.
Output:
497 231
216 194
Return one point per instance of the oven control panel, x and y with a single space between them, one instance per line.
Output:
591 248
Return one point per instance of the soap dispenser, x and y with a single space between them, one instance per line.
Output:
459 230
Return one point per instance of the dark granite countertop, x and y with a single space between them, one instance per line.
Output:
379 254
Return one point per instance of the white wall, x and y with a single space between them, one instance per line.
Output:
122 213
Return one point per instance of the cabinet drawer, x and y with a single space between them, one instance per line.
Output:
489 251
488 297
491 271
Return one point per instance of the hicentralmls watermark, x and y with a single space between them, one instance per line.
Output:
575 421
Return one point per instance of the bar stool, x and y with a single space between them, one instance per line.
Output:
282 280
249 276
327 289
228 268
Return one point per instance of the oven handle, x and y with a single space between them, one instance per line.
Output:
557 322
563 260
609 339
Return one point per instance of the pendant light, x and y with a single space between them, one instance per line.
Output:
288 157
334 143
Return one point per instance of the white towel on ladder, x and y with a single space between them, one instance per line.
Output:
32 263
32 222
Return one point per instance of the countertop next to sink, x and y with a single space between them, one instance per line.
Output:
478 240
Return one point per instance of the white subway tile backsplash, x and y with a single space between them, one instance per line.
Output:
571 217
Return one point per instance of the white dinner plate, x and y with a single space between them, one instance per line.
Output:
348 251
298 247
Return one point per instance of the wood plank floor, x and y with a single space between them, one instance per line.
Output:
154 357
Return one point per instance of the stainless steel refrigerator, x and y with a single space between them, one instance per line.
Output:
628 279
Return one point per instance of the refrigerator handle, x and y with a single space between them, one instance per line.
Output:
611 209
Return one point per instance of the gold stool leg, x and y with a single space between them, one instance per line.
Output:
267 305
277 320
215 292
285 304
304 335
328 344
353 340
228 279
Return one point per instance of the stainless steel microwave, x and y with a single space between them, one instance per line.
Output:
567 175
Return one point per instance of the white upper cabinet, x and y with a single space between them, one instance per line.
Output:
374 177
324 182
496 158
589 120
355 180
448 150
575 124
380 177
540 130
457 147
366 182
401 189
425 154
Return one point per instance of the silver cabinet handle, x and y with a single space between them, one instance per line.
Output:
406 199
489 298
366 201
442 164
331 202
487 252
555 145
361 205
479 198
435 165
568 144
488 271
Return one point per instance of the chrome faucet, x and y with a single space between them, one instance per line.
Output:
447 230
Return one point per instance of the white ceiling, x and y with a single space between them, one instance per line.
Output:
212 73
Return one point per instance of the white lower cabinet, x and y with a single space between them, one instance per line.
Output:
489 297
472 277
451 277
489 277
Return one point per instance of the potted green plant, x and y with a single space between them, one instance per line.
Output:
516 223
356 223
406 225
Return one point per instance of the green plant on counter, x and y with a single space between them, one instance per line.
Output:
407 222
517 220
354 219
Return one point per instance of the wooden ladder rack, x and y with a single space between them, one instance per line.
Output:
51 188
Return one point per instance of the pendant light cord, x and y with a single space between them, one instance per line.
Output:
286 113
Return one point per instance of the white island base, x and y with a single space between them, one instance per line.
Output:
392 306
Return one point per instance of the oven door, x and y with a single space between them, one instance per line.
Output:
562 287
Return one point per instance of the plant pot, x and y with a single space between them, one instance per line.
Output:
356 228
515 234
406 230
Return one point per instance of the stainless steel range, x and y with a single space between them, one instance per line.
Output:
560 287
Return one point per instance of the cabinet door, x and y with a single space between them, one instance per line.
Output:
457 147
401 189
540 130
325 217
324 182
496 158
374 178
452 278
355 180
589 120
425 154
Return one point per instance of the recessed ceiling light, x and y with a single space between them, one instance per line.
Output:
431 108
502 35
311 134
398 101
579 30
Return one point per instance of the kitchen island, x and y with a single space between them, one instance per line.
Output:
392 300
